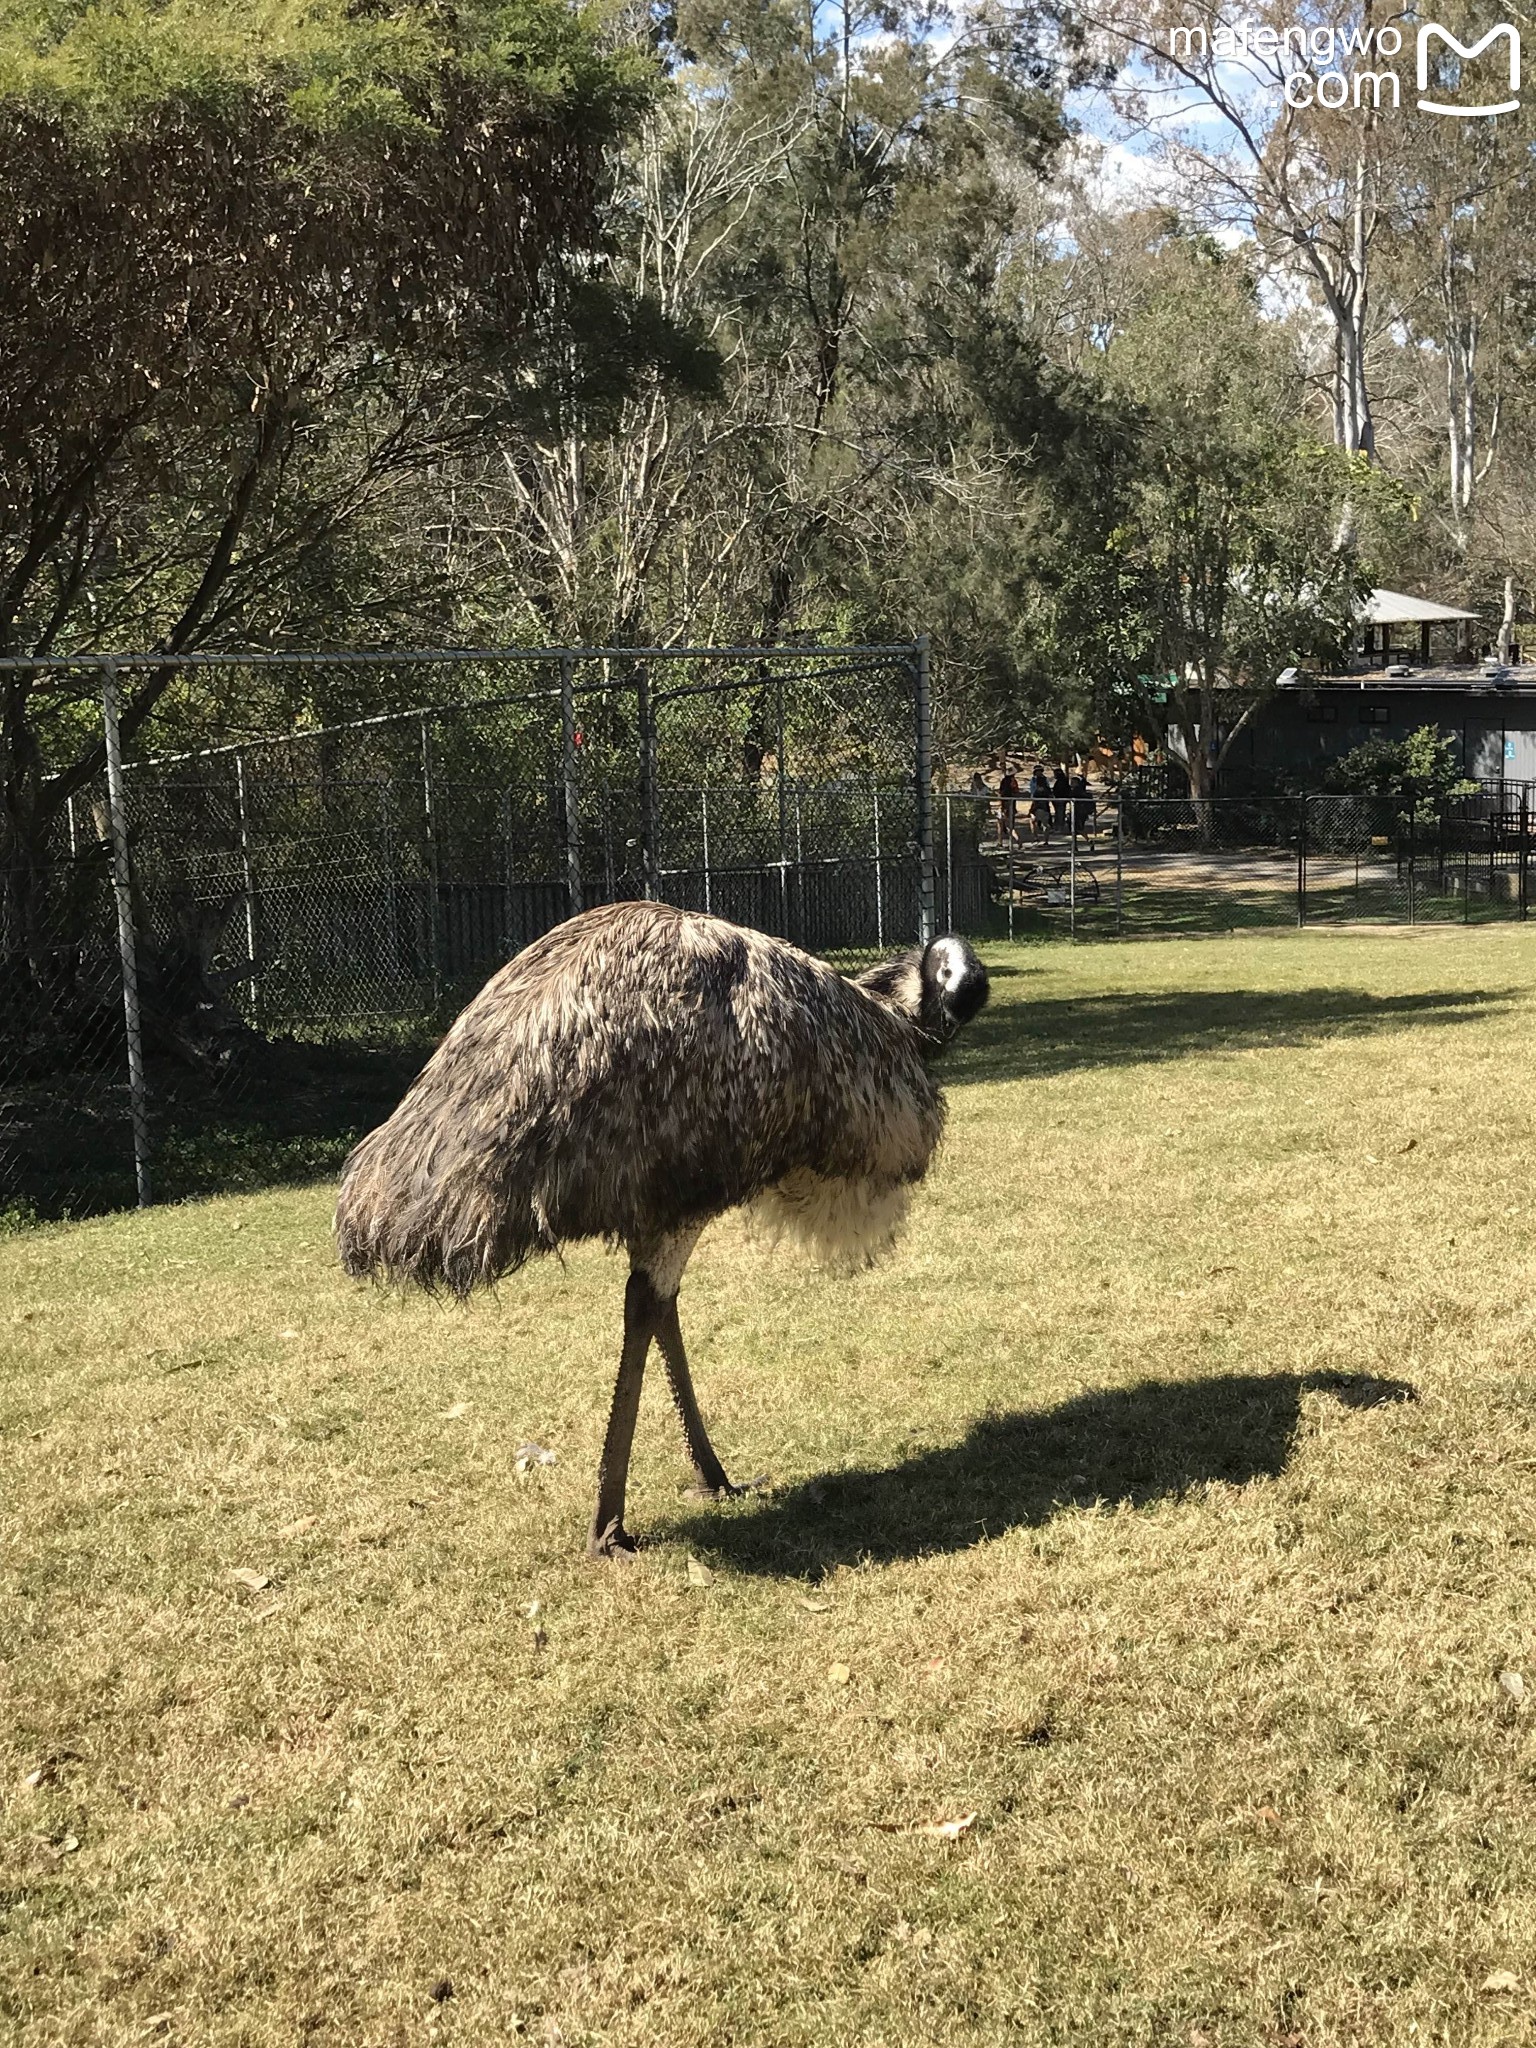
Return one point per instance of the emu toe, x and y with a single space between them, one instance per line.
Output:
725 1490
612 1541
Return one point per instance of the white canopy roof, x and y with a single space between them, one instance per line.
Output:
1396 608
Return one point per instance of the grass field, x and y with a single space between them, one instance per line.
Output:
1168 1504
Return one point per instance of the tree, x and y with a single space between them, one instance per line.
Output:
257 273
1210 563
1309 180
1419 770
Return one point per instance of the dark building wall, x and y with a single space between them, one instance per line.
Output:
1294 737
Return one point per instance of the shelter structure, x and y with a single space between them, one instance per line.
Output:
1415 663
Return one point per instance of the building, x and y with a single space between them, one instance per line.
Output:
1416 663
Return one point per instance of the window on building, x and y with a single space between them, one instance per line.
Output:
1375 714
1322 714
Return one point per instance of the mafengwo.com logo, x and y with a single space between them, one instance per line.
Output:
1317 65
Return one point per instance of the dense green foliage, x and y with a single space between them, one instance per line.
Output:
1421 768
262 271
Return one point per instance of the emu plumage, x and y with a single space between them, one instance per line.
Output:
633 1074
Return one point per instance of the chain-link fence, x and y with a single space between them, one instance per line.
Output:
1131 864
220 966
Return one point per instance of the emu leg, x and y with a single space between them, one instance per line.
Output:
642 1309
709 1473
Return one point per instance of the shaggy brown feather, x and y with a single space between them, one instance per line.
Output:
636 1072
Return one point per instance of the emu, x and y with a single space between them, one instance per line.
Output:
634 1073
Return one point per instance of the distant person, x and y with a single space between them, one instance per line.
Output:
1061 789
1008 806
979 783
1085 812
1040 803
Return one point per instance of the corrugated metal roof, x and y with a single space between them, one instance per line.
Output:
1396 608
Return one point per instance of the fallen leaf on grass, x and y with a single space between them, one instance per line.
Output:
817 1606
47 1772
299 1528
1268 1814
1513 1683
287 1333
253 1581
838 1674
456 1413
912 1937
1500 1980
529 1455
947 1830
1409 1146
698 1574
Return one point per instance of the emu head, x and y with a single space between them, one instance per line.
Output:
937 987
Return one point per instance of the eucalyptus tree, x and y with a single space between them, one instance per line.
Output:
1208 560
260 269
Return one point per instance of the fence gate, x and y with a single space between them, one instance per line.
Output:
1356 865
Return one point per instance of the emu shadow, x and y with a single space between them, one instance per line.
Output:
1126 1446
1037 1037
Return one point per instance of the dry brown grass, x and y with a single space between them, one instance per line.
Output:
1099 1492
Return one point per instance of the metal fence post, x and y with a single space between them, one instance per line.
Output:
1466 862
924 713
127 939
649 824
783 815
248 877
573 888
1525 851
949 861
434 906
879 870
1301 862
1072 885
1120 862
704 822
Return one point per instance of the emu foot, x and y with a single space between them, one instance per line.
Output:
612 1541
723 1489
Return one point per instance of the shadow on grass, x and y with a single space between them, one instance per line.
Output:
1057 1033
1123 1447
288 1113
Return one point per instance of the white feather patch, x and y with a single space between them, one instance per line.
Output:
846 1224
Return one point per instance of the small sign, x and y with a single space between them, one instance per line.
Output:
1509 750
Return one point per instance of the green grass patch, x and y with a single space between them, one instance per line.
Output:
1168 1502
